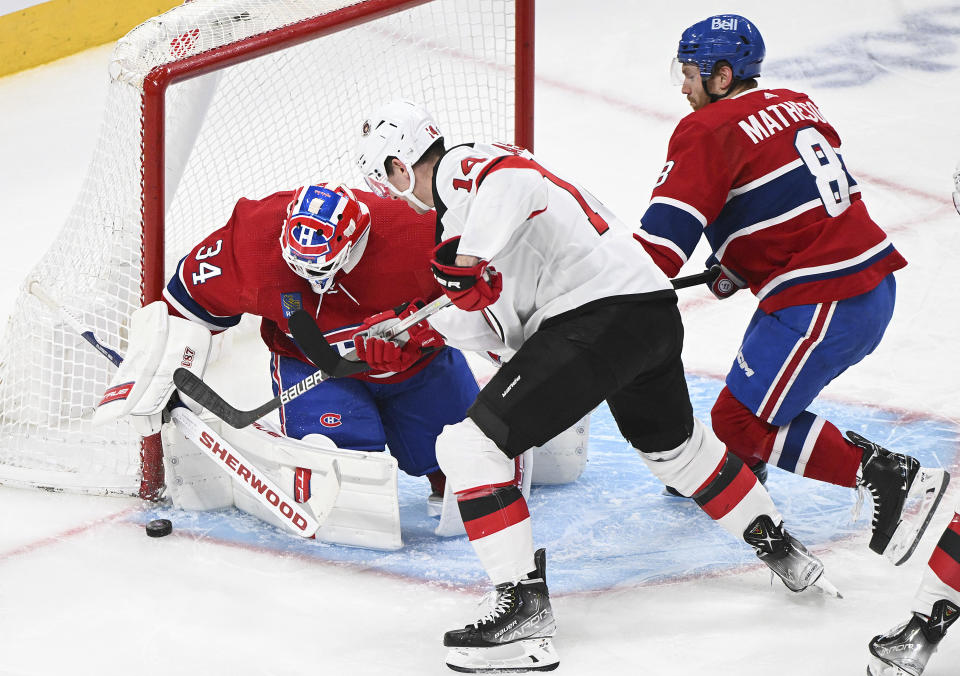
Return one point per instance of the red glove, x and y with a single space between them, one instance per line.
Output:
726 284
470 288
401 352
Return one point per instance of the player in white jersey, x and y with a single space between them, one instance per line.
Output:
536 264
906 649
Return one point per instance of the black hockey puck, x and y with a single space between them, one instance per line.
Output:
159 527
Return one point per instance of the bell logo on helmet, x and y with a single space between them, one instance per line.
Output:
724 37
723 24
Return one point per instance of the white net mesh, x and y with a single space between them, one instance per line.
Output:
270 123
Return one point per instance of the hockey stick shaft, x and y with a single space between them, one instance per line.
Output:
704 277
313 343
301 519
192 386
74 323
329 362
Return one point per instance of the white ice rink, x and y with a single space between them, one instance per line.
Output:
82 591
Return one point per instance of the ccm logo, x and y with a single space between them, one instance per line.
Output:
330 420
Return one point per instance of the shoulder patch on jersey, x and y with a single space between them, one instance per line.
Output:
768 95
290 303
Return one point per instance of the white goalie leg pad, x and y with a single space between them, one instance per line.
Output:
562 459
194 482
471 462
157 345
688 467
366 510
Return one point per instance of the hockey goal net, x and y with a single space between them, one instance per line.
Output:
211 101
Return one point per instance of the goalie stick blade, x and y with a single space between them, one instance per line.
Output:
192 386
314 344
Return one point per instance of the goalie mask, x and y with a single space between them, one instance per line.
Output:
399 129
325 231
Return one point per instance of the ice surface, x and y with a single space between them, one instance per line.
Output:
642 583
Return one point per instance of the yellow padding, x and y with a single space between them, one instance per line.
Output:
58 28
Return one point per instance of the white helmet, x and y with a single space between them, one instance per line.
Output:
400 129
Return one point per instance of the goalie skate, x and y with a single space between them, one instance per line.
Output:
516 635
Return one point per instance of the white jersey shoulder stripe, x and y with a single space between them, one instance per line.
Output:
664 242
167 296
770 286
766 178
776 220
683 206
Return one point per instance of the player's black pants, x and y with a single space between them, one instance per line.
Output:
627 352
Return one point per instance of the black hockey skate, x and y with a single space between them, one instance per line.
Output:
516 635
892 479
906 649
786 556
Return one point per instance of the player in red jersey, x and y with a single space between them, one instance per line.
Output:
342 257
760 174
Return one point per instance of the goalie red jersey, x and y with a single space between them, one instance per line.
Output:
239 269
762 176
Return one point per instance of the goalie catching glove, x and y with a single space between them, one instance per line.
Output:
400 352
471 287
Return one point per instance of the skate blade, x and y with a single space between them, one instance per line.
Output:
877 667
434 506
827 587
929 486
820 583
532 654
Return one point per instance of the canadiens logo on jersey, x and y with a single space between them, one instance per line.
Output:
330 420
290 303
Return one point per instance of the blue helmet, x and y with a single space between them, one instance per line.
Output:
724 37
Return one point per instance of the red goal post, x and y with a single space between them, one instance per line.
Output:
213 101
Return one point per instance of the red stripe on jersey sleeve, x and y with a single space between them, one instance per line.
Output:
665 258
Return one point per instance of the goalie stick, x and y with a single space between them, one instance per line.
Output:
303 519
329 363
192 386
314 344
